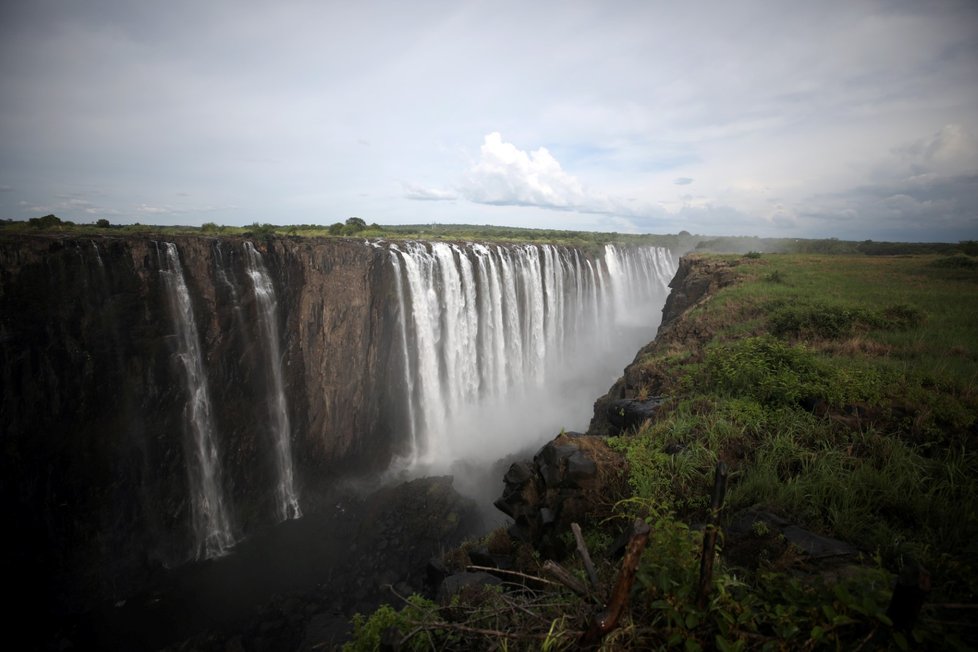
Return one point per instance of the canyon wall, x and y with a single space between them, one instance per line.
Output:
94 413
162 400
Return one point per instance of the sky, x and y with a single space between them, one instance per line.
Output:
856 120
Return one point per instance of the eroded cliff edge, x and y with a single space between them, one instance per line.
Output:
635 394
92 401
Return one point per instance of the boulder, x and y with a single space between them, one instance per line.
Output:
628 413
574 478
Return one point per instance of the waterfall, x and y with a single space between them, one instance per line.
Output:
210 519
98 255
278 412
490 334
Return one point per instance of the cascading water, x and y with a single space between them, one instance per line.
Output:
490 334
210 519
278 412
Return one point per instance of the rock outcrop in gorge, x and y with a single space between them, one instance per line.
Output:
635 396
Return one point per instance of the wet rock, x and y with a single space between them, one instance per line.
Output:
629 413
817 546
756 536
573 478
435 572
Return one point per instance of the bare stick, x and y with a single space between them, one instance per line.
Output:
585 556
562 575
710 535
607 620
501 571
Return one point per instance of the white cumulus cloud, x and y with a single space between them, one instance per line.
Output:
506 175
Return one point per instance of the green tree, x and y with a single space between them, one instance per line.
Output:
355 224
46 222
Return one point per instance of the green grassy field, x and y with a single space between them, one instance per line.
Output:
842 394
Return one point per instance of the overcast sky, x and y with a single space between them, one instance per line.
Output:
811 119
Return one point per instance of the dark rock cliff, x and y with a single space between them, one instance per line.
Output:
92 399
635 396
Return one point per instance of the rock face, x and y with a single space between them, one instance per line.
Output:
573 478
637 394
93 403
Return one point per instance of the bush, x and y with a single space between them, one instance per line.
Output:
815 320
956 262
103 223
765 369
46 222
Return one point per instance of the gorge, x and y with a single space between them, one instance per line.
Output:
165 400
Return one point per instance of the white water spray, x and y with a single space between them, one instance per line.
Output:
503 345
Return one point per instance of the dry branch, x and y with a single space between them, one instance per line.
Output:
710 535
562 575
585 556
607 620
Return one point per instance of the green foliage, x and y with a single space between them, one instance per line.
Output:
369 632
818 320
46 222
102 223
765 369
815 320
956 262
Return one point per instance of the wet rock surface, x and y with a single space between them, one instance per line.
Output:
629 413
93 401
574 478
295 586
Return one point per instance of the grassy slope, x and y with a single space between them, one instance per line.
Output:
842 391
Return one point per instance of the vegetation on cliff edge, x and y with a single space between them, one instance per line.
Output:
356 227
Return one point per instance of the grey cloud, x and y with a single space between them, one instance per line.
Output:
928 207
682 181
413 191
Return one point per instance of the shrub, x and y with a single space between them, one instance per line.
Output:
46 222
765 369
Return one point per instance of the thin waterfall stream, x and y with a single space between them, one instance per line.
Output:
210 517
287 498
